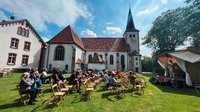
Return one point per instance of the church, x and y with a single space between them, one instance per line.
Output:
68 51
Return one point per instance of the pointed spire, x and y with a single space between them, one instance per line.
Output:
130 24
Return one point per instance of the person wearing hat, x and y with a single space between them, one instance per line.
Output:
26 87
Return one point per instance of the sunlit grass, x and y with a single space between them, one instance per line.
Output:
156 98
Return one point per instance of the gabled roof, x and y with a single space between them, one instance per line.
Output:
22 21
67 36
106 44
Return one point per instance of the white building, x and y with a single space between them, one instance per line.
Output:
20 47
67 51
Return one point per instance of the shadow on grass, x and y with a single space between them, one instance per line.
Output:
101 89
11 105
184 91
47 91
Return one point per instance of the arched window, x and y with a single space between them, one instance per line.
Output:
19 30
59 53
90 58
111 60
122 60
130 35
23 32
136 59
27 33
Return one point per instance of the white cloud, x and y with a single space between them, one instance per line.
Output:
112 30
88 33
164 1
147 11
41 12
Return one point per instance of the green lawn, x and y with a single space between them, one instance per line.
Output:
156 99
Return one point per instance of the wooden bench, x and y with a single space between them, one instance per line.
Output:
88 88
24 98
58 96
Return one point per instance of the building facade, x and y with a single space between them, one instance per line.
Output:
20 47
68 51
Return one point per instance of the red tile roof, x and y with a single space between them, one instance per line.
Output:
22 22
106 44
67 36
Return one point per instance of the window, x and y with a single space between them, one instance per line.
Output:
27 33
11 58
133 35
117 54
136 63
66 67
14 43
23 31
25 60
90 58
122 60
136 58
130 35
59 53
111 60
27 46
19 30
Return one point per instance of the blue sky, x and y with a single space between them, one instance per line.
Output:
89 18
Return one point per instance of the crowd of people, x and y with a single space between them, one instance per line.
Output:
31 81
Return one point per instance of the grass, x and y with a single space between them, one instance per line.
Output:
156 98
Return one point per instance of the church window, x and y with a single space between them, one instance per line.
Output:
90 58
133 35
59 53
19 30
136 59
66 67
122 60
130 35
111 60
11 58
117 54
14 43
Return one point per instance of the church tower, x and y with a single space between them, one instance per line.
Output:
131 36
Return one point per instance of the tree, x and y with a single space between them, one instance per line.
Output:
193 22
148 64
167 31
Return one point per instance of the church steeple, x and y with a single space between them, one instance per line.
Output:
130 24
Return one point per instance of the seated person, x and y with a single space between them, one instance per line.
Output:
44 76
73 80
113 81
26 87
132 78
106 78
61 75
33 73
55 77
